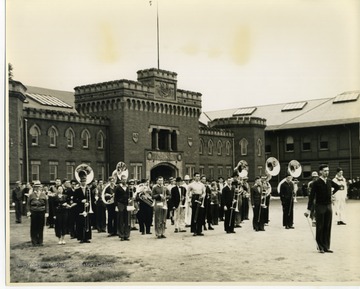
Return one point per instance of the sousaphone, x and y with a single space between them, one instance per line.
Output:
272 167
121 171
84 170
242 169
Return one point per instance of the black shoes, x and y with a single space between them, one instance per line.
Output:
341 223
329 251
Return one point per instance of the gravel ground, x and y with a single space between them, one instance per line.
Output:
274 257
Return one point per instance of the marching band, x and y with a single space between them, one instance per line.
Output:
116 206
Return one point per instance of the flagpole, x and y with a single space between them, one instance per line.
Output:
157 33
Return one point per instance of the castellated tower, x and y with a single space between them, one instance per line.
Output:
15 127
249 141
153 125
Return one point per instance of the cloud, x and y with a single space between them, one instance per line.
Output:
240 48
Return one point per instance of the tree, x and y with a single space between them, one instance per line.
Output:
10 72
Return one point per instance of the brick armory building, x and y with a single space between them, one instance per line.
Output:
158 129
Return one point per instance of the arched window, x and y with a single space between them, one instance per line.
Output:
259 145
228 148
100 138
244 146
219 147
201 148
34 133
70 136
210 147
85 136
53 134
289 144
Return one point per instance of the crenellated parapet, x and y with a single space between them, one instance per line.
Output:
215 132
238 121
52 115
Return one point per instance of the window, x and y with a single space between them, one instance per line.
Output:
53 170
228 148
306 171
164 139
306 144
289 144
243 146
70 167
70 136
259 147
34 135
100 140
135 171
229 172
85 136
220 171
201 148
101 171
211 172
219 148
324 143
210 147
201 170
190 170
268 149
53 134
35 170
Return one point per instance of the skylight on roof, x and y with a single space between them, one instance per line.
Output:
346 97
244 111
48 100
294 106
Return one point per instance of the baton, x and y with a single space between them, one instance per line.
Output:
312 232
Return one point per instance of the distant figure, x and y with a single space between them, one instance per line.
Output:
340 197
17 200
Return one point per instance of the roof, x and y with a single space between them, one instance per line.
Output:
309 113
49 99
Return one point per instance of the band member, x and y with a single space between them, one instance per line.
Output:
187 201
145 213
314 176
221 185
245 200
17 201
208 215
229 195
214 203
238 205
82 198
62 206
51 197
322 192
100 208
110 207
37 209
340 197
25 195
178 195
123 199
267 189
170 212
287 202
93 192
256 203
197 193
70 192
160 194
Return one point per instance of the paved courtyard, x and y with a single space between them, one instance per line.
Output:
276 256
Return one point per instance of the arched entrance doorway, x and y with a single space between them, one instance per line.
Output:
164 169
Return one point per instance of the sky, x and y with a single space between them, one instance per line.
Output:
236 53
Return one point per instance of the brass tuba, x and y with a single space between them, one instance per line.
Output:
272 167
121 171
242 169
294 168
